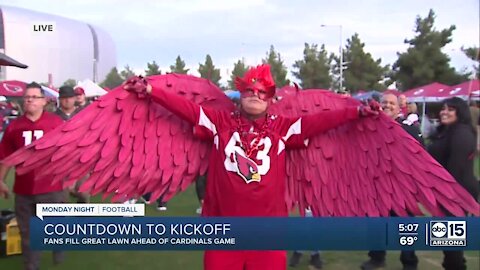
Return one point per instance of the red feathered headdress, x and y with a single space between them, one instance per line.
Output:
257 79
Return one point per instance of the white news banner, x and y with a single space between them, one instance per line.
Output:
89 210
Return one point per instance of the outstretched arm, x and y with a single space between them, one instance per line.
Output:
180 106
323 121
302 128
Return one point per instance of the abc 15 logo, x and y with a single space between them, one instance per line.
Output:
448 230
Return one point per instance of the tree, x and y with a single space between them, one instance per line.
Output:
278 69
361 72
474 54
314 68
179 66
152 69
70 82
209 72
424 62
127 73
113 79
239 70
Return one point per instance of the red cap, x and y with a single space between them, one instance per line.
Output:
79 91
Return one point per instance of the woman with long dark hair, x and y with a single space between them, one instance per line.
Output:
453 146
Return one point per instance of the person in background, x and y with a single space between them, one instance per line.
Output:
16 108
161 205
391 107
427 127
412 114
453 146
67 108
403 105
412 108
21 132
66 111
81 100
51 105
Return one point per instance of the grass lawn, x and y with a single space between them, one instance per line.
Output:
185 205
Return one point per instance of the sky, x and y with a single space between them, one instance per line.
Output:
230 30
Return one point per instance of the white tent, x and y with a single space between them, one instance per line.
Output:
91 88
50 92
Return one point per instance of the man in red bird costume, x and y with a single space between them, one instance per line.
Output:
247 171
310 148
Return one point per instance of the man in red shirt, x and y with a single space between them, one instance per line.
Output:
247 172
21 132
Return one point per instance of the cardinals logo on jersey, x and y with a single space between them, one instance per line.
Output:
247 168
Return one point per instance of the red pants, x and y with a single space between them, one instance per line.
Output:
245 260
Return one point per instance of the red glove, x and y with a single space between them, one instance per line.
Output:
372 109
137 84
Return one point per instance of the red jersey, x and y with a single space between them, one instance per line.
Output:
239 184
21 132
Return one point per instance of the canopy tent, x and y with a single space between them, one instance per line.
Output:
91 88
17 89
437 92
428 93
465 90
12 88
475 95
49 92
8 61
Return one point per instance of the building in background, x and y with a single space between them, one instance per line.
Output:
71 50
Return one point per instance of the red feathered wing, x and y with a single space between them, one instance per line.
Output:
129 145
368 167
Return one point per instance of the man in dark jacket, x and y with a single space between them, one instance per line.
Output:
391 107
67 110
67 98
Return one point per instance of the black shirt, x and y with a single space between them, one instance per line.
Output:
413 130
454 148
